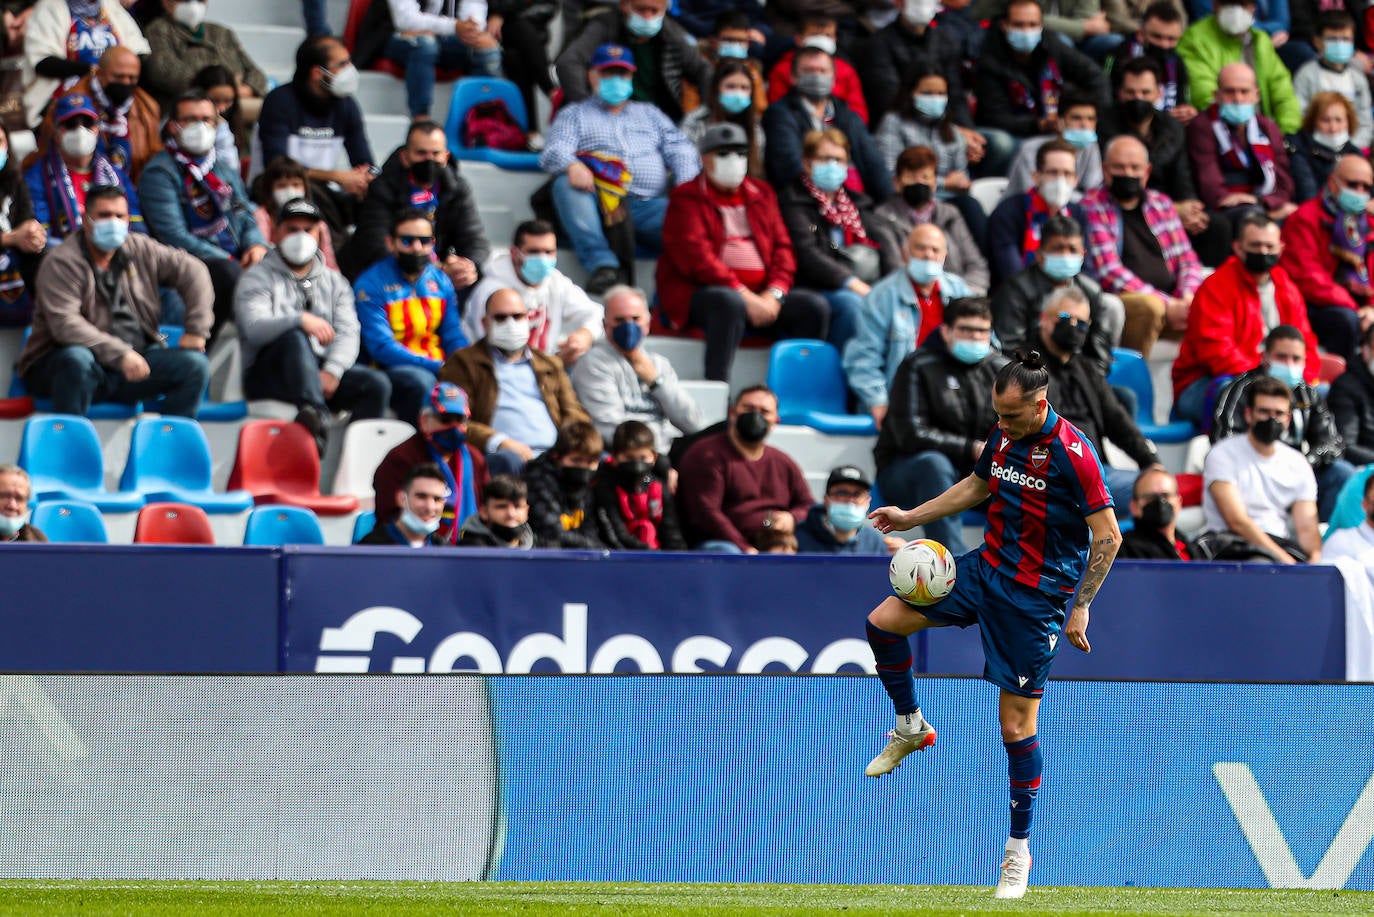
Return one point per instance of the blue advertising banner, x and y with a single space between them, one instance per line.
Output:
760 779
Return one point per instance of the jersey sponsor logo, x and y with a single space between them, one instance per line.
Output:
1019 478
1076 448
1040 457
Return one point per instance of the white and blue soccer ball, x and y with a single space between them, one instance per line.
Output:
922 572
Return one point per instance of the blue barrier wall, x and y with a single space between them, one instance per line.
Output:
70 608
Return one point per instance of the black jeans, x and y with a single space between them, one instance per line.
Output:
720 313
288 370
224 277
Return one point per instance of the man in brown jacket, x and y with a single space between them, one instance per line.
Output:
519 396
96 317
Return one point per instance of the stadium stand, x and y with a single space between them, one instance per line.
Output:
173 523
272 525
70 521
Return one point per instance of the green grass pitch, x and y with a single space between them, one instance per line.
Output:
21 898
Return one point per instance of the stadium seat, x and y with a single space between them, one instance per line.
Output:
1130 370
16 408
173 523
471 91
1332 367
1349 512
61 453
278 462
101 410
169 462
987 192
70 522
366 443
810 385
209 411
273 525
366 522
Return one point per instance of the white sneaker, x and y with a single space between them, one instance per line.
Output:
899 745
1015 875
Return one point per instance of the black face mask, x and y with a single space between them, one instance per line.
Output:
1260 262
412 262
751 427
1156 513
918 195
1125 187
634 475
574 477
505 532
423 172
119 93
1158 52
1069 336
1133 111
1268 431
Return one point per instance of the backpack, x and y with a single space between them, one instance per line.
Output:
490 124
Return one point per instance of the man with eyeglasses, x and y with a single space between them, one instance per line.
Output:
520 396
409 313
1258 488
1327 251
15 491
1155 505
839 523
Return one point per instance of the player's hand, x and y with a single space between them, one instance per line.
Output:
889 519
1077 628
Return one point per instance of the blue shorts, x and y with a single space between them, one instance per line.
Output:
1022 627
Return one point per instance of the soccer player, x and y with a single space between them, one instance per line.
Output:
1046 482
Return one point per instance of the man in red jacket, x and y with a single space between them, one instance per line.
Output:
730 267
1328 250
1247 297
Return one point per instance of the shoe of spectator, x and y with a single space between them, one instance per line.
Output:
316 423
602 279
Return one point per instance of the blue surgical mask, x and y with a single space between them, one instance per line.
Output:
829 176
970 352
449 440
1024 41
930 106
627 335
1237 113
735 102
1352 201
108 235
1063 267
845 517
4 157
1286 373
643 26
535 269
414 523
10 525
1338 51
615 90
1080 137
923 271
736 49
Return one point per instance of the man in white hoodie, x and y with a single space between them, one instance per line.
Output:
563 318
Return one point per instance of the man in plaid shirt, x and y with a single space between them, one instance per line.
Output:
1138 249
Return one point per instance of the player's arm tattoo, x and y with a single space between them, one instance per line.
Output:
1100 559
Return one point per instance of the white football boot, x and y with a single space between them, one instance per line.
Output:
899 745
1015 875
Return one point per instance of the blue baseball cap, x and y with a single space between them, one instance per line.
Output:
448 399
69 106
608 56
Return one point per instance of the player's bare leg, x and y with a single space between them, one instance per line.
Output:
1018 716
889 627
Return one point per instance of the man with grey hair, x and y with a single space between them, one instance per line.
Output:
619 379
15 491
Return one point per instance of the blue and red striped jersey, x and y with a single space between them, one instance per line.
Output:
1042 486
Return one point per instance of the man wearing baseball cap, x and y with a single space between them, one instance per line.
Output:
442 439
299 332
614 158
839 524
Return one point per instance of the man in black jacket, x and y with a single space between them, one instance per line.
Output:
1352 404
1155 505
939 414
1312 429
420 175
895 50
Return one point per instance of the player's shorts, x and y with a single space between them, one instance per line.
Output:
1021 627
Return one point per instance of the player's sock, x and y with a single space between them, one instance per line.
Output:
1024 765
1019 845
893 655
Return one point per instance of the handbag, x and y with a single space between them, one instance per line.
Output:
862 260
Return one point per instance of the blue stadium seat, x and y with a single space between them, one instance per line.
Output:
1130 370
810 384
468 92
169 462
273 525
209 411
1349 512
366 522
61 453
104 410
67 521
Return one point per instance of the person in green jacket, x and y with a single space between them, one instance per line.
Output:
1227 36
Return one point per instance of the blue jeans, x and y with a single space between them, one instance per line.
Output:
1330 479
910 480
422 55
998 154
844 315
72 378
316 20
1191 402
578 212
1337 330
409 386
1099 46
720 547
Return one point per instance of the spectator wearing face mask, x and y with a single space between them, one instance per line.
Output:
65 39
503 518
15 492
284 180
913 42
183 43
917 204
821 32
421 498
731 42
1230 36
1335 70
731 99
1155 505
1324 139
1156 39
839 523
1015 227
562 514
631 498
1078 115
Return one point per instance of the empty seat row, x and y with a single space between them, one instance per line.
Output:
270 525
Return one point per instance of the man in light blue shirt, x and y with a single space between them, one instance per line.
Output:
609 152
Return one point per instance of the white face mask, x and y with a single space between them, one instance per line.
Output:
190 14
298 248
417 525
1057 192
824 42
919 12
343 84
1235 20
511 335
281 195
196 139
10 525
1332 141
729 170
79 142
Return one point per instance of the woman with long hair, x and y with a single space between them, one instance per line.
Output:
730 99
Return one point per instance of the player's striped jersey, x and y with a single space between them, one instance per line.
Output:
1042 486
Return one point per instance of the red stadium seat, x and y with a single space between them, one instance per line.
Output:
16 408
173 523
278 462
1332 366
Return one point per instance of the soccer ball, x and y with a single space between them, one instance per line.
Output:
922 572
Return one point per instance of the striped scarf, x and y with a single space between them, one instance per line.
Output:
1051 85
1236 159
1350 247
839 212
64 215
208 199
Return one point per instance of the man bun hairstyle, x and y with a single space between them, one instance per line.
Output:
1026 371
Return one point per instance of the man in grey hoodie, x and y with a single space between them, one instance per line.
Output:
299 331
